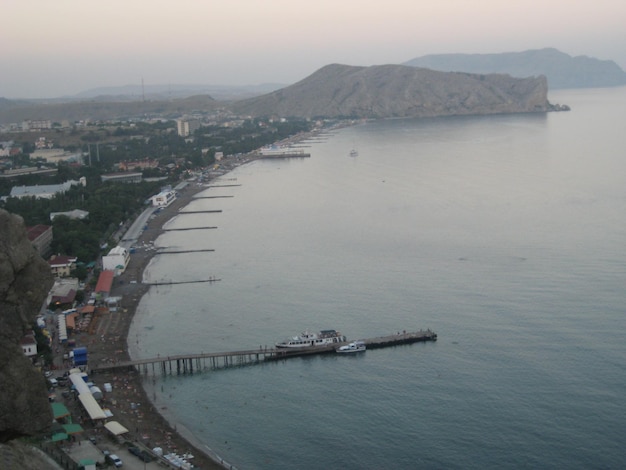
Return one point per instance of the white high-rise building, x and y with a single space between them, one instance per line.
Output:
187 126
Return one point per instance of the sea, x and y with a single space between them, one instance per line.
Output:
506 235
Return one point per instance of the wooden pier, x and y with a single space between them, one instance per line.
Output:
190 363
294 154
214 211
188 228
178 252
173 283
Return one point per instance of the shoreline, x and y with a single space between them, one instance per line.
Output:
129 401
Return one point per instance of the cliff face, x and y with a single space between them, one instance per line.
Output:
25 280
399 91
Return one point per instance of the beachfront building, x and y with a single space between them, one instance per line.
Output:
141 164
164 198
29 345
63 292
104 285
41 238
117 260
126 177
45 191
62 266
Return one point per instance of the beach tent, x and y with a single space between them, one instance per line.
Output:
59 410
73 429
115 428
91 406
87 464
59 436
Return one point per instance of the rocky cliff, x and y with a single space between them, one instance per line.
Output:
399 91
25 280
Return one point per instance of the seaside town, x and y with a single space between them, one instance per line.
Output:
94 197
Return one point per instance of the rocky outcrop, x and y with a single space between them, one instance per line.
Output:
25 280
386 91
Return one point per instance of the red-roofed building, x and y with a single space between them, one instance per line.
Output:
63 299
41 238
105 281
61 265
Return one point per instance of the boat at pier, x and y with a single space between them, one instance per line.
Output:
353 347
312 340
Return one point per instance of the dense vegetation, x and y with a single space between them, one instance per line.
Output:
110 204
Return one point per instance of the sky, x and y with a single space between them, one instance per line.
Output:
52 48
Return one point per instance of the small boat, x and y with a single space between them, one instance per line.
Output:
311 340
353 347
354 153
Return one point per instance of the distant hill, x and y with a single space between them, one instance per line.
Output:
166 92
562 70
128 101
398 91
105 110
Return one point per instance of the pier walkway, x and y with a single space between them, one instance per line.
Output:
190 363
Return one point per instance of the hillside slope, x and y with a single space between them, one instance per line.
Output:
398 91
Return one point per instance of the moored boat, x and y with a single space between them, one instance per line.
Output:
308 340
353 347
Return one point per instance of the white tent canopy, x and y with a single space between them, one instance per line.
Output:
115 428
91 406
79 383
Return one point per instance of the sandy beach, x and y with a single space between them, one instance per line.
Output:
128 401
108 344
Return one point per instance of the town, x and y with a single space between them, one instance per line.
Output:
81 189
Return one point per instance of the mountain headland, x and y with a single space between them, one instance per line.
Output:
562 70
392 91
334 91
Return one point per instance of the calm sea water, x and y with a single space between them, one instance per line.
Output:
504 234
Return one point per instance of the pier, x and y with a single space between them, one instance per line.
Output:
294 154
178 252
188 228
190 363
214 211
172 283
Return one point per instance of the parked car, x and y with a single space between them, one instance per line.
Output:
115 460
135 451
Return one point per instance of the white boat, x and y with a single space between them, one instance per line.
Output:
308 340
353 347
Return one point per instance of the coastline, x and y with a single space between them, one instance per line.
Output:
129 401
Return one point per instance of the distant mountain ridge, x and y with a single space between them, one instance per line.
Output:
385 91
562 70
174 91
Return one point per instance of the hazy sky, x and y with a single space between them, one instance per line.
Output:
50 48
